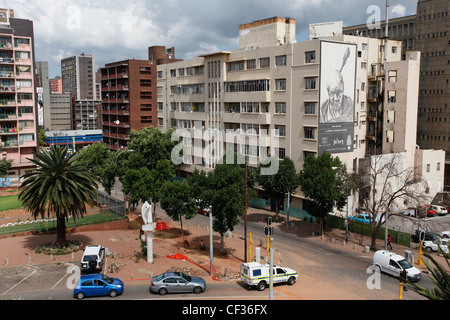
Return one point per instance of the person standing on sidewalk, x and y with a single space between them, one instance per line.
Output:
389 239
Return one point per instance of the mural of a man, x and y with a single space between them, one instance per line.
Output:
338 107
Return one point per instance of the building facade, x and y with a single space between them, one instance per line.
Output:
18 102
60 112
79 79
274 96
428 31
128 99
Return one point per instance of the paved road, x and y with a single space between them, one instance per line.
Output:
326 267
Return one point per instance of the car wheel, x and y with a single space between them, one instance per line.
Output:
291 281
428 249
80 295
162 291
113 293
197 290
261 286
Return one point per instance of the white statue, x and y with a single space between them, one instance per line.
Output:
149 226
147 213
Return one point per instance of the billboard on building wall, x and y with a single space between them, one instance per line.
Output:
40 96
337 96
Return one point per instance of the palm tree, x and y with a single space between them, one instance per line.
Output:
61 187
440 277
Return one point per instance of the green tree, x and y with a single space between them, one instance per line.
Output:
224 190
100 161
152 144
177 199
60 187
323 181
285 181
136 184
5 165
42 137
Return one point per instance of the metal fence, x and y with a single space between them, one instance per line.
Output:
115 205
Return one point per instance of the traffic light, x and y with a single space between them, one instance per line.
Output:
268 231
269 221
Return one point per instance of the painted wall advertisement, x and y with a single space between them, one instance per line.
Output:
337 97
40 96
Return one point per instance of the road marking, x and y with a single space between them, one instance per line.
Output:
27 266
67 264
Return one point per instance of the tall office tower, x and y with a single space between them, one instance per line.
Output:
79 79
129 96
43 92
18 109
427 31
433 40
295 100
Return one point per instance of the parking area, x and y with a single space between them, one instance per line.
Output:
29 278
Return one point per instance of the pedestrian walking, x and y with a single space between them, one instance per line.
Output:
389 240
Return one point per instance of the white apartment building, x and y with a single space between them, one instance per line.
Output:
272 82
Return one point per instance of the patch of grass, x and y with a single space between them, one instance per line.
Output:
10 203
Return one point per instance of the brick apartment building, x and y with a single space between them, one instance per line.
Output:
128 96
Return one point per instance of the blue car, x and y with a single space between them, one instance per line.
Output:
362 217
98 285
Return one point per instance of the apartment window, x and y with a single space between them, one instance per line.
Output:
280 84
251 64
160 106
189 71
280 130
146 119
236 66
310 107
173 122
309 133
310 57
310 83
145 70
392 75
392 96
391 116
264 62
250 107
428 167
247 86
390 136
280 60
173 73
250 128
394 49
280 107
281 153
438 166
364 65
160 74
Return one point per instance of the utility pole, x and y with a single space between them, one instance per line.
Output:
245 218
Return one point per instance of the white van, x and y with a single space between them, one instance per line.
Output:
257 275
393 264
93 258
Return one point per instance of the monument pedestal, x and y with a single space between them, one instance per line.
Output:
149 230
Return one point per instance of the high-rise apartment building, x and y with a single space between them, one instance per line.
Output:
56 85
79 79
129 96
279 99
427 31
18 112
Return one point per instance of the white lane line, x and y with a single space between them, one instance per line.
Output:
34 271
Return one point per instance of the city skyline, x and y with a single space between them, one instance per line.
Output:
112 32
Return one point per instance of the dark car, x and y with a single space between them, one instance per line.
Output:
98 285
427 234
177 282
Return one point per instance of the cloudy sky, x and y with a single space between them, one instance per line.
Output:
114 30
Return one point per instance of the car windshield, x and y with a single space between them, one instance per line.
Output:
89 258
404 264
107 279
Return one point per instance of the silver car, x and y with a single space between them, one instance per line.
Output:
176 282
